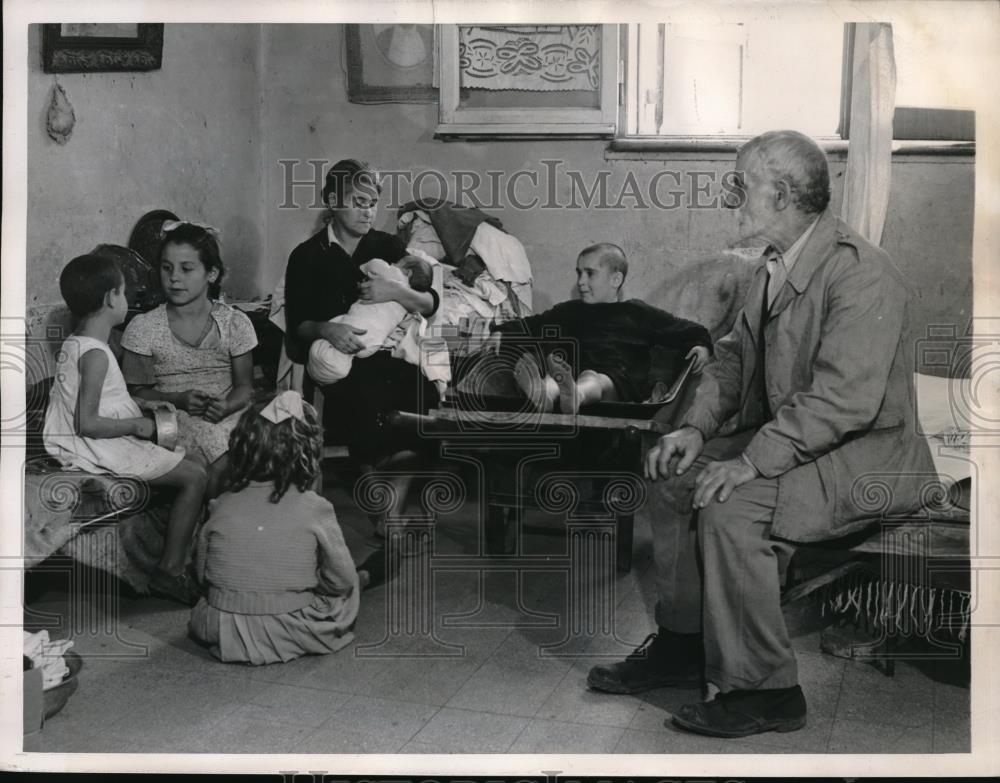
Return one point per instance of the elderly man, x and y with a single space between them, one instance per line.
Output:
817 374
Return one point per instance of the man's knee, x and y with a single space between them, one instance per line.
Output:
719 520
747 505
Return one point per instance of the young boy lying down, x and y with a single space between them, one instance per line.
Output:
613 339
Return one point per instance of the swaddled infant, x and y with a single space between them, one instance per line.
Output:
327 364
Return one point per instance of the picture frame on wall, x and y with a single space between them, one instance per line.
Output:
101 47
391 63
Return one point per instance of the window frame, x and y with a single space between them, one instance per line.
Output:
628 145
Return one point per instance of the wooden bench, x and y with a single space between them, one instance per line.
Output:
586 466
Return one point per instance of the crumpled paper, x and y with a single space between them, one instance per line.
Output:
47 656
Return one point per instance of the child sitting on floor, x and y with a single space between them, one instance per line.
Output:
92 423
280 580
194 351
372 322
614 339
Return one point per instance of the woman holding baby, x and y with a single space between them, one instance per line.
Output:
323 279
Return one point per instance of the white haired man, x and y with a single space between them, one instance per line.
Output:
817 373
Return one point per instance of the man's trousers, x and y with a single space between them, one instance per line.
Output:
719 573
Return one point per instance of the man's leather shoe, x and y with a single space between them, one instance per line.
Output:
663 660
742 713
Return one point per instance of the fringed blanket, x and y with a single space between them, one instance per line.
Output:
896 608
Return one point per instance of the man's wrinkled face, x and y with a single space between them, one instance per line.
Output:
756 213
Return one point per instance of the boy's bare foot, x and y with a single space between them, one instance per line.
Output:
562 374
529 379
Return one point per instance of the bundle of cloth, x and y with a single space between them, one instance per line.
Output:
47 655
487 275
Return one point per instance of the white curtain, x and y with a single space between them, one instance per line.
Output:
869 151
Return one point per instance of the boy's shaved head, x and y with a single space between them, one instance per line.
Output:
608 255
600 273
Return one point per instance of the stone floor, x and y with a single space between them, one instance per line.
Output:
460 654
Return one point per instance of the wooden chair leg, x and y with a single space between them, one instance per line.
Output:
313 394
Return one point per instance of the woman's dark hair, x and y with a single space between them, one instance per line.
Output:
286 453
207 247
86 280
351 176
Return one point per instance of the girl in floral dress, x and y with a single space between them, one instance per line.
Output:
194 351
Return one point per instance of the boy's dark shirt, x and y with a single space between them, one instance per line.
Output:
321 281
613 338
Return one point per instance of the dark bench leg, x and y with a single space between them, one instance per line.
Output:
623 555
499 529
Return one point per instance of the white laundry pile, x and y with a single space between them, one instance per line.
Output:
421 234
47 656
505 260
500 292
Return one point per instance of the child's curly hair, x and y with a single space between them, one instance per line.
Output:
286 453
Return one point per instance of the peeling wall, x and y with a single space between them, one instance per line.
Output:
203 137
184 138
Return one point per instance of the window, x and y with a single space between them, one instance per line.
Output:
933 91
739 79
732 79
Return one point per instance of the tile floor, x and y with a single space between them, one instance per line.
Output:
493 662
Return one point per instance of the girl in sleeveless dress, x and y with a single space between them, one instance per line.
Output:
92 423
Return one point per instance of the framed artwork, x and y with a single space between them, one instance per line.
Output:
390 63
528 80
90 48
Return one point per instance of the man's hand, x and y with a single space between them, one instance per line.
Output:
216 409
701 354
684 445
342 336
194 402
378 289
719 479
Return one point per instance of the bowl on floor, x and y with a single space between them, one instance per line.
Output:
56 696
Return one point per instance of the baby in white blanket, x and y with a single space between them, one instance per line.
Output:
327 364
